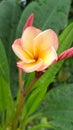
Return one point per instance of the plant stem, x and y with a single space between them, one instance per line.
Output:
20 81
3 119
30 87
18 111
21 101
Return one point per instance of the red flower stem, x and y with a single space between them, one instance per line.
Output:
20 104
20 81
30 87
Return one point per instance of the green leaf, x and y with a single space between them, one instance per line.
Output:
65 38
58 16
6 101
1 128
3 94
9 17
43 124
48 14
41 127
34 100
4 70
48 77
30 78
59 107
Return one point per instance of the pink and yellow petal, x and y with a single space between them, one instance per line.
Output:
48 56
27 37
45 40
29 67
17 48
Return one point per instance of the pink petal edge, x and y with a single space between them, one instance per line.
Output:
29 67
29 21
20 52
66 54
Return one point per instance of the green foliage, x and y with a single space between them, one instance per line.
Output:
9 16
3 94
6 101
30 78
4 68
48 14
41 126
34 100
59 107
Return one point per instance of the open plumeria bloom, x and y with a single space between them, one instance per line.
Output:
36 49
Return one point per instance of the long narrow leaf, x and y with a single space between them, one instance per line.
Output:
6 101
9 17
4 68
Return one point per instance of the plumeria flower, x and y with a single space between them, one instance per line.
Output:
36 49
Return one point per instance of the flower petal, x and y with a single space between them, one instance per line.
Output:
27 37
29 67
29 21
66 54
17 48
48 56
45 40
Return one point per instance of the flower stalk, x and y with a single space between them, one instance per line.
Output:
23 94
